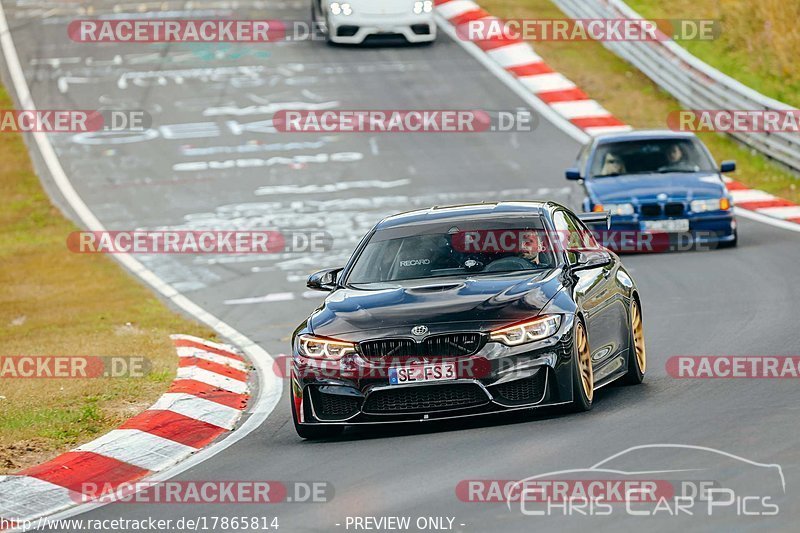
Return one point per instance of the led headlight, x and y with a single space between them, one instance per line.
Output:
616 209
712 204
532 330
423 7
341 9
321 348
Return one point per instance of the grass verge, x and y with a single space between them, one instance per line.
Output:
758 44
55 302
633 98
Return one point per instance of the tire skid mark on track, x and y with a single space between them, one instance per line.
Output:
183 420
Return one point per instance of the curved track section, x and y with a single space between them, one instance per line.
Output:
213 160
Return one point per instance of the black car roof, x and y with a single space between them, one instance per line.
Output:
463 212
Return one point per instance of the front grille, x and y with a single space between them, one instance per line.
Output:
674 209
449 345
425 398
650 210
388 348
334 406
522 391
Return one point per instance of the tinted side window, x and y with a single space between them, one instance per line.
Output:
572 235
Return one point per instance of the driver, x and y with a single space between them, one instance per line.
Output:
675 154
531 249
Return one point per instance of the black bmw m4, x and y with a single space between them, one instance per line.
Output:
464 310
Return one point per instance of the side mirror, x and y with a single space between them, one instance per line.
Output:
324 280
573 174
727 166
587 259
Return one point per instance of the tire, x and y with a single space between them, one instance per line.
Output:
637 354
731 244
310 432
582 375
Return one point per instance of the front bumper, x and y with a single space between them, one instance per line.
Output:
628 234
354 29
496 379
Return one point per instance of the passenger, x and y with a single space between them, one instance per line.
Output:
612 164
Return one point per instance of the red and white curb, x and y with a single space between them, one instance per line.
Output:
569 102
763 203
518 58
204 401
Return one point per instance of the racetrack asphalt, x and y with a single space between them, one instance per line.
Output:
741 301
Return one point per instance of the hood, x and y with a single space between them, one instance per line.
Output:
475 303
647 187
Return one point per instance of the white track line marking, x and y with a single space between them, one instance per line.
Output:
456 8
212 378
513 55
787 211
198 408
39 497
552 81
270 386
750 195
186 351
138 448
580 109
598 130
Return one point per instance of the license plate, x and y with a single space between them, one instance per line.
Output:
417 373
678 225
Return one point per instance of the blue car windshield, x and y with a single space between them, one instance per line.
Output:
654 156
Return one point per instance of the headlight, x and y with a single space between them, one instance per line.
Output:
615 209
320 348
341 9
423 7
533 330
713 204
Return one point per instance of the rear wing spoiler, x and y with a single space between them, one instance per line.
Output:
603 217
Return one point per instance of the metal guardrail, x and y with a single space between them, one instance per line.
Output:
692 82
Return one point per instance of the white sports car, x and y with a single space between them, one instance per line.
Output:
352 21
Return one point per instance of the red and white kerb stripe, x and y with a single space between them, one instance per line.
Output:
519 58
762 202
205 400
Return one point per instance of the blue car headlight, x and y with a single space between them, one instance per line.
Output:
711 204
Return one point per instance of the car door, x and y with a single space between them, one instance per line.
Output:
596 291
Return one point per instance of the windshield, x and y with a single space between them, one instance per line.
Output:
515 244
650 156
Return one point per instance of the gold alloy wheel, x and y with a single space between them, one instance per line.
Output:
584 362
638 337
